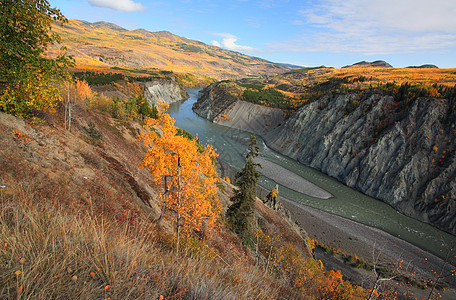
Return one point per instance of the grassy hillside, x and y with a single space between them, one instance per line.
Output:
295 88
80 220
104 45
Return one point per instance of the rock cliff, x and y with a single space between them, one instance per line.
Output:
165 91
220 104
400 153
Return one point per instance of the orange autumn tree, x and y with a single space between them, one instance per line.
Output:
187 176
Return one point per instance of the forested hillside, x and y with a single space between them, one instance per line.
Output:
103 45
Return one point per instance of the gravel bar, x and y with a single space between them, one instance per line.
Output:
291 180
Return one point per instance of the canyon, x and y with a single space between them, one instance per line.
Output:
404 157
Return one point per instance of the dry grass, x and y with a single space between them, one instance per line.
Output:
65 236
49 252
74 226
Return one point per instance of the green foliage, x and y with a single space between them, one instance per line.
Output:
188 48
189 136
244 196
99 78
269 97
144 109
134 109
251 86
28 79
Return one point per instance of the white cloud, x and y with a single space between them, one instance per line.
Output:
121 5
215 43
229 42
379 26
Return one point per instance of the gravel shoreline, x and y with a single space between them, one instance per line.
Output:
291 180
361 240
356 238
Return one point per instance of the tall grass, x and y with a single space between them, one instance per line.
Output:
49 252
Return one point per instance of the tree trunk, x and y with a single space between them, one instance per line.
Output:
178 203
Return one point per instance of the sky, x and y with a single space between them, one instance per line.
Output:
332 33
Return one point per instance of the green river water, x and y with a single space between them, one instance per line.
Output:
231 145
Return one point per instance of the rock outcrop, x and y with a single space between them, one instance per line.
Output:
409 163
161 90
402 154
219 104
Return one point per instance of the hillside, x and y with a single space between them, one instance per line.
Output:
80 218
104 45
299 87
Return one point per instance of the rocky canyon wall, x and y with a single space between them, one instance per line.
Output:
400 153
161 90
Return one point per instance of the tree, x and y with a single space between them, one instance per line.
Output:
244 196
188 176
28 79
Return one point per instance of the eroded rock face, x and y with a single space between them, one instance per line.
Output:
402 154
220 104
406 159
164 91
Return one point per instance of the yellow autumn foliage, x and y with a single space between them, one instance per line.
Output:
198 204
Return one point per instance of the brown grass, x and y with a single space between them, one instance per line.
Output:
74 225
48 252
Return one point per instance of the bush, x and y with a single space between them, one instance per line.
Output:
269 97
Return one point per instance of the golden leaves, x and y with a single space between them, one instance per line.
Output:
190 190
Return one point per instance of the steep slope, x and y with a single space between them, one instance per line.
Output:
165 91
218 103
106 45
78 217
394 143
409 162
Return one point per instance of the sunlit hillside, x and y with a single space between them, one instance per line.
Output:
300 86
105 45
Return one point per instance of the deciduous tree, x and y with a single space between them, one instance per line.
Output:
189 195
29 79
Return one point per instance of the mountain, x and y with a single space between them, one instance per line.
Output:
105 45
375 64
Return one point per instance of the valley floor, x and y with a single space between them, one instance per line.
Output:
355 238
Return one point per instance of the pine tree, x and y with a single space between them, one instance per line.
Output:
244 196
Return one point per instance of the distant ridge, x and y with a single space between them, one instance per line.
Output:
375 64
102 24
427 66
292 66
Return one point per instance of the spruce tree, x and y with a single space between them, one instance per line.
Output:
244 196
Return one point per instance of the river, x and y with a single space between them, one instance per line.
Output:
231 145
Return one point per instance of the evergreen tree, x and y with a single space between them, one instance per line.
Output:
244 196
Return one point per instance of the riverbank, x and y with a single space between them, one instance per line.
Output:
356 239
291 180
363 241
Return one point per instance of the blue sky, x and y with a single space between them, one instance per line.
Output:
303 32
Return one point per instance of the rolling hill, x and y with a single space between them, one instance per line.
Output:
105 45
